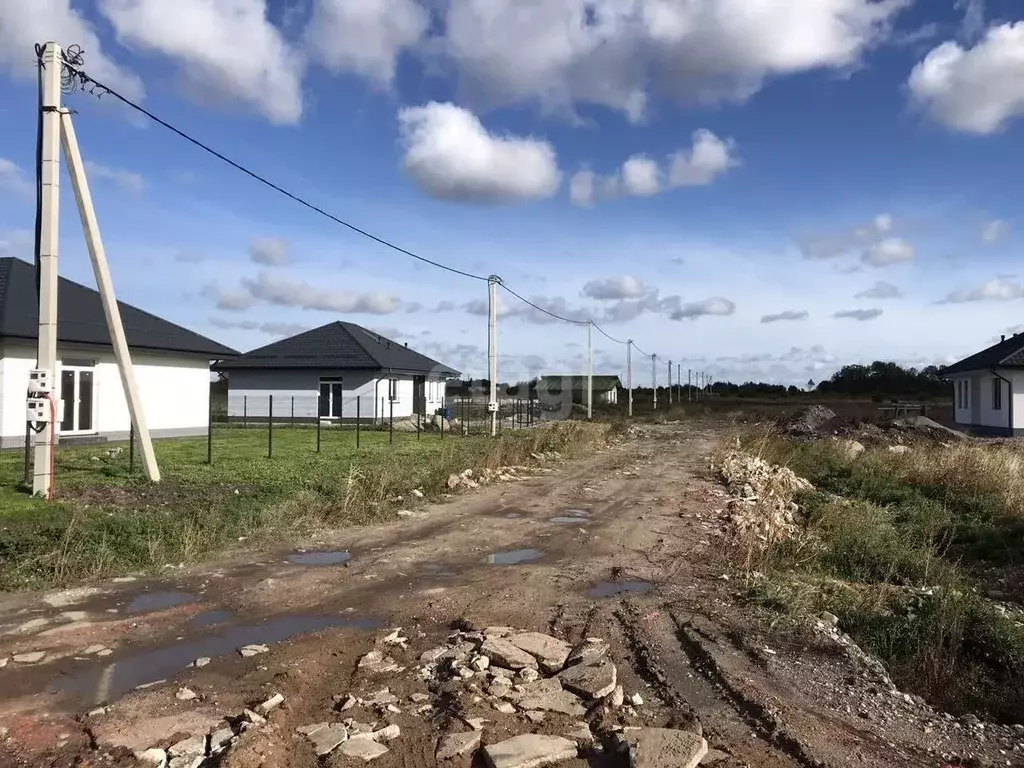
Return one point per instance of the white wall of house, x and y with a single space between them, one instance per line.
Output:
249 394
175 392
980 410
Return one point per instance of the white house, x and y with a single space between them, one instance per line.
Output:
988 389
334 372
172 364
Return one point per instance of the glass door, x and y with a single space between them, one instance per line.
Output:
331 394
76 392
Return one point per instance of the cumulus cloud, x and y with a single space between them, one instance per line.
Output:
365 36
891 250
612 288
269 328
279 290
996 289
978 89
270 251
616 53
789 314
451 156
858 314
994 231
126 180
679 310
23 24
224 49
880 290
229 300
830 245
14 180
641 176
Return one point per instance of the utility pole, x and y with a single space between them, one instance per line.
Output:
492 349
590 370
689 386
679 382
670 383
654 379
629 373
44 383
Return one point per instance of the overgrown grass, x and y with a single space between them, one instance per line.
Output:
109 522
902 548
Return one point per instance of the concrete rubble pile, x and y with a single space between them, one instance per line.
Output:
469 479
761 509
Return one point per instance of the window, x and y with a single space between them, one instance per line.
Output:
331 397
961 394
393 389
997 395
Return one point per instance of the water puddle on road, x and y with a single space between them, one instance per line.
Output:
158 601
334 557
439 570
572 517
212 619
613 588
513 516
107 682
514 556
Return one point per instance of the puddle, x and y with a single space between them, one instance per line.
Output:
513 516
569 520
336 557
514 556
212 618
437 569
613 588
158 601
104 683
577 512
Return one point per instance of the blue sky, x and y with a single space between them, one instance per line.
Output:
761 190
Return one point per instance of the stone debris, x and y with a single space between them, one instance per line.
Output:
659 747
202 661
636 700
326 740
153 758
150 684
270 704
253 717
252 650
364 749
592 681
714 757
550 652
185 694
617 696
457 744
581 734
395 638
220 738
3 662
417 493
506 654
504 707
33 657
476 723
193 745
93 649
309 730
534 716
590 650
529 750
377 663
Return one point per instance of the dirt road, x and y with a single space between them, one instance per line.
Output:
625 546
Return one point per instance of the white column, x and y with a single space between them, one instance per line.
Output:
111 311
654 379
629 373
590 370
46 353
670 382
492 349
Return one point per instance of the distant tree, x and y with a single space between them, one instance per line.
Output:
810 384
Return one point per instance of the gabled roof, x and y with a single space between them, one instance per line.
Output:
338 346
577 382
1008 353
80 318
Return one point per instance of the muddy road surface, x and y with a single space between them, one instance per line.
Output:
626 546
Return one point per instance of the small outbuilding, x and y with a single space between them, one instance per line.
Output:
988 389
334 372
606 388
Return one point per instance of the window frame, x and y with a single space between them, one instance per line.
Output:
997 394
393 390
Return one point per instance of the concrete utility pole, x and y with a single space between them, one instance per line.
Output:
492 349
689 386
679 382
590 370
106 287
670 383
654 379
46 352
629 373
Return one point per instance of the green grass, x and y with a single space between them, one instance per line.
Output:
107 521
903 548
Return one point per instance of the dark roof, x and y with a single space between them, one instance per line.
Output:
80 318
338 346
1008 353
602 382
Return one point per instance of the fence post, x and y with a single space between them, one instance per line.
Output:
209 434
318 429
441 421
270 426
419 426
28 452
131 447
293 411
359 400
391 421
245 410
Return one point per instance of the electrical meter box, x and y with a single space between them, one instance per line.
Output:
39 381
38 410
492 407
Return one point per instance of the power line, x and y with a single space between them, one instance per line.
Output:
96 84
545 311
607 335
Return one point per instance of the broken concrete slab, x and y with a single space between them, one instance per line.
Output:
377 663
559 701
202 661
364 749
190 761
253 717
580 733
658 747
220 738
33 657
617 696
714 757
271 704
498 631
419 698
309 730
193 745
500 651
592 680
252 650
528 674
456 744
387 733
153 758
529 750
326 740
549 651
591 650
504 707
185 694
534 716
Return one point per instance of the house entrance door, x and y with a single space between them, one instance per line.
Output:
76 394
419 388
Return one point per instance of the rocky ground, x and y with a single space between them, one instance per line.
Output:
587 615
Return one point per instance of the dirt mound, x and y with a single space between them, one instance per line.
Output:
810 420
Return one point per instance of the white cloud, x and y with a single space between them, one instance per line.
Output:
974 90
996 289
225 48
230 301
892 250
270 251
451 156
615 288
994 231
126 180
560 53
365 36
829 245
14 179
24 23
973 24
270 328
678 310
789 314
708 158
880 290
861 315
283 292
